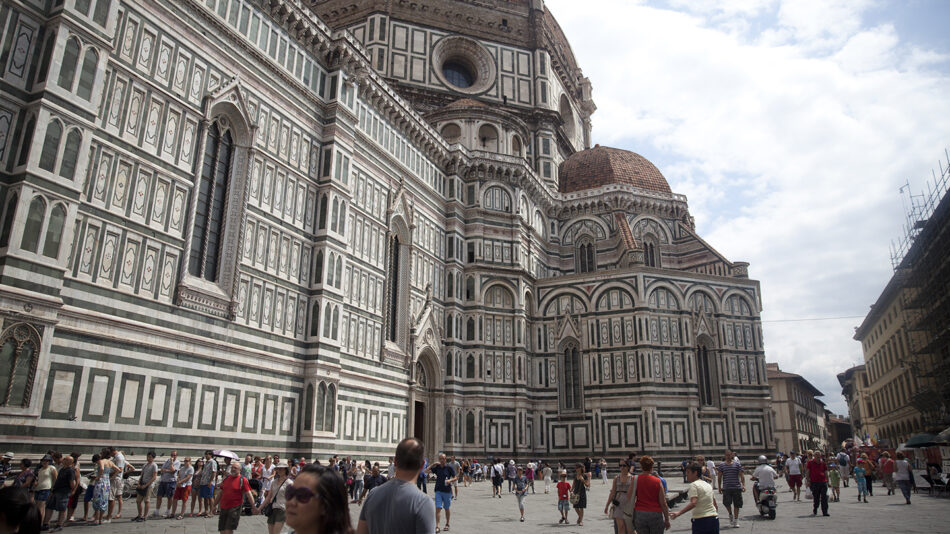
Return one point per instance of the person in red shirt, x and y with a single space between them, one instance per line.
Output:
887 468
818 478
563 498
234 489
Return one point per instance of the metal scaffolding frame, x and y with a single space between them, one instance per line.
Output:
921 261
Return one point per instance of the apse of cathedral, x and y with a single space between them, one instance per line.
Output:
319 227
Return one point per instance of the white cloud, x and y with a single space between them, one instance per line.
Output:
791 144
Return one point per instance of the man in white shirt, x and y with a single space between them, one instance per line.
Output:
794 468
711 467
764 476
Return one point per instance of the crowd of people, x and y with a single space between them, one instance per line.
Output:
219 484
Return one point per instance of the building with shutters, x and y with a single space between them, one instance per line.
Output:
318 227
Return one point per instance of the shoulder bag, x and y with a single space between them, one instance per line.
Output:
266 511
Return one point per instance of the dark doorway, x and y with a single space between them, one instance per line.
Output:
418 430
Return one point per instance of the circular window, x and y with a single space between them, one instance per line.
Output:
463 65
457 74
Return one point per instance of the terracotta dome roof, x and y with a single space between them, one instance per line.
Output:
465 103
600 166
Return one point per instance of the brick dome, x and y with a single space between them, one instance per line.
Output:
600 166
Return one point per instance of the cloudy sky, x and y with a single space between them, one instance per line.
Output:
790 126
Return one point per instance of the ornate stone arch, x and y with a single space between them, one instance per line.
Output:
227 115
20 348
706 291
753 306
398 267
488 286
587 225
549 298
647 224
623 286
675 291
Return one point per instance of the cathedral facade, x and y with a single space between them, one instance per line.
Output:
319 227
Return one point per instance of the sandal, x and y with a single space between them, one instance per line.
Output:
446 528
179 517
437 530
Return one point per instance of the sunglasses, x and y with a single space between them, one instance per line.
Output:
302 494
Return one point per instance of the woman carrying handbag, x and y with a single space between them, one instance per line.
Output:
275 505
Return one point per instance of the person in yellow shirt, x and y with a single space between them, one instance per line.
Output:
702 502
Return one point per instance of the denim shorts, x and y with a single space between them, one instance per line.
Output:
206 492
564 505
443 499
41 495
166 489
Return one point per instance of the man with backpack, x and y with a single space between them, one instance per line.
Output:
234 490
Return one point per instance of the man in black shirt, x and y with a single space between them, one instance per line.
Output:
444 476
371 481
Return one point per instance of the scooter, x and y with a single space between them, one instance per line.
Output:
767 501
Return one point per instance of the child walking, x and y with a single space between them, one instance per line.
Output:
521 488
834 481
859 477
563 498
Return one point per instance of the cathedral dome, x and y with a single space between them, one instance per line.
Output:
600 166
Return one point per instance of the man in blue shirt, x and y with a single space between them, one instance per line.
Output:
444 476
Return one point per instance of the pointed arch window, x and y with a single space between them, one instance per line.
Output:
54 133
19 348
67 167
470 367
87 76
651 252
470 329
585 257
315 320
707 373
448 364
308 408
394 277
27 141
470 427
212 195
570 383
67 67
448 426
338 276
329 418
54 231
321 406
318 269
34 225
8 221
327 319
323 213
450 285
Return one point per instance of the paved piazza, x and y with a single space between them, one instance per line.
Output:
476 511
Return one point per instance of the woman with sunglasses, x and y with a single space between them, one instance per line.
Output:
278 497
317 502
618 496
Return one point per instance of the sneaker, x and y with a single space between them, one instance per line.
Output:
522 520
735 524
106 521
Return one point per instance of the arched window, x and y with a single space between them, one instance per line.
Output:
34 225
335 215
448 426
315 320
451 133
570 382
448 364
82 6
323 212
470 329
318 269
516 149
394 286
336 322
700 302
308 408
450 285
329 419
470 288
327 319
87 76
470 427
651 255
488 138
707 376
67 68
67 167
497 199
54 232
18 354
321 406
586 257
342 227
330 269
339 272
209 214
448 327
54 133
27 141
470 367
8 221
101 13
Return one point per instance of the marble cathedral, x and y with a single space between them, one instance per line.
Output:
318 227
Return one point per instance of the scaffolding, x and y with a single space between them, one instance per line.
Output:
921 261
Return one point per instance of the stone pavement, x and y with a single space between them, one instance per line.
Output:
477 512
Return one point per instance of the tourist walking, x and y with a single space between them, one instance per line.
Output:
521 489
563 490
579 492
702 502
861 481
713 475
903 476
794 468
510 473
396 507
235 490
146 478
63 487
182 487
603 471
887 471
167 484
731 485
275 504
844 462
546 473
834 481
444 476
497 474
818 482
371 481
652 516
618 497
206 480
